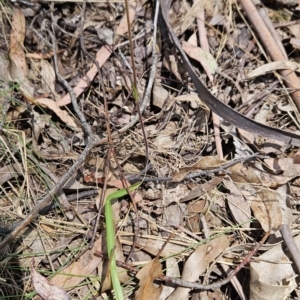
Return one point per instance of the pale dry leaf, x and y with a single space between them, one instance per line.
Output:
264 113
44 289
273 181
243 174
172 270
16 51
31 243
84 266
105 34
164 139
159 95
48 77
295 43
10 171
239 206
73 184
4 68
205 58
174 214
40 122
286 107
194 100
204 163
193 40
273 66
17 64
148 290
102 55
122 274
246 136
202 189
263 202
285 166
123 25
266 209
174 67
198 262
62 114
273 275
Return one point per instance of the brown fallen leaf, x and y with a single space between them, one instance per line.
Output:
148 290
273 275
205 58
273 66
17 62
84 266
264 203
44 289
48 77
239 206
16 51
62 114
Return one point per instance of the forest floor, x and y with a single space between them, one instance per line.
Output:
96 97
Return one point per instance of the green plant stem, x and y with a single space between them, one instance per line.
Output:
110 238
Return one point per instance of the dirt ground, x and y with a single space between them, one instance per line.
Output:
122 176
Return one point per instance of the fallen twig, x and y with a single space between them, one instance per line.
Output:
197 174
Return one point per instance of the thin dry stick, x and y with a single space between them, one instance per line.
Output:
200 173
51 194
216 285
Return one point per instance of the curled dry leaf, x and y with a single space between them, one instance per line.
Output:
46 290
148 290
